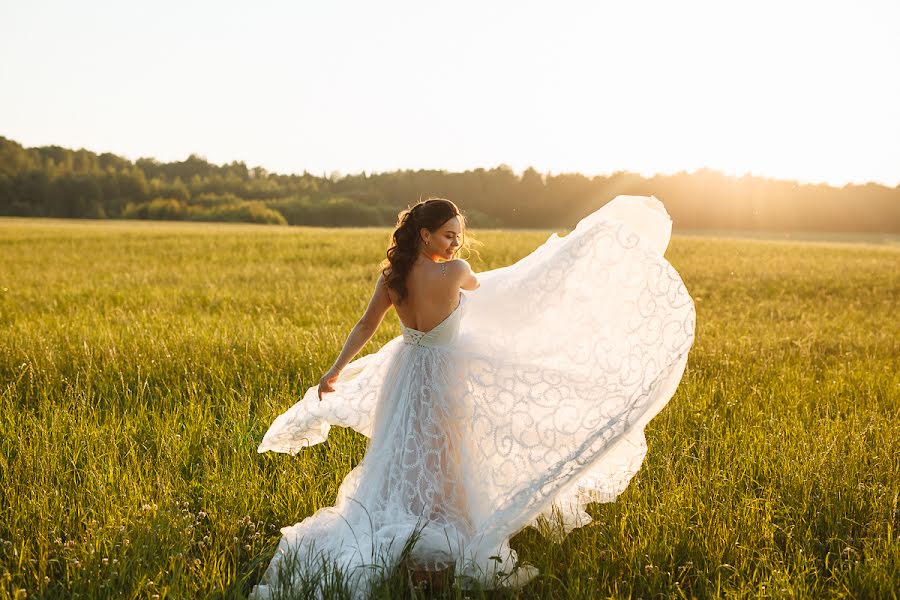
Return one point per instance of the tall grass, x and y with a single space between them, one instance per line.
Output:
140 365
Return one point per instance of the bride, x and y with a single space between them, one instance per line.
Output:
515 404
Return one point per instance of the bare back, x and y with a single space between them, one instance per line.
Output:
432 294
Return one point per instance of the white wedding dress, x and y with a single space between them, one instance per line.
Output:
529 400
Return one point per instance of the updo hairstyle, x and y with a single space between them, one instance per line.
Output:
405 242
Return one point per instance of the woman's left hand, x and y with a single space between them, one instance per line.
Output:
327 381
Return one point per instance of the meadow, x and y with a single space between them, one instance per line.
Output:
141 363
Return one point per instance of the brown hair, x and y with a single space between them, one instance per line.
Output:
405 240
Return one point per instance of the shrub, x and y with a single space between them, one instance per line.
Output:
158 209
247 211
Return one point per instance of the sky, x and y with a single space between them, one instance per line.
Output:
787 89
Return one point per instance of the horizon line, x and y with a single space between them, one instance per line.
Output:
518 172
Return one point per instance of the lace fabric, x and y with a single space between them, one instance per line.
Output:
525 404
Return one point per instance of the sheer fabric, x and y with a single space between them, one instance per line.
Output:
525 404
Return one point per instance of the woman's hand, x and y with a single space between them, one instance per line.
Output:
327 381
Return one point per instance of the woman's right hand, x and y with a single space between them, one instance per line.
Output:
326 383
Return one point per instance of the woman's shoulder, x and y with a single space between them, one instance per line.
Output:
458 263
463 275
382 282
458 266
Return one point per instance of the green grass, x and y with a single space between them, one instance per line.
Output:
141 363
822 237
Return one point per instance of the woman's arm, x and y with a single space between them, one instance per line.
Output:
362 332
463 272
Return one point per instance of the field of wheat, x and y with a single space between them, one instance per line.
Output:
141 363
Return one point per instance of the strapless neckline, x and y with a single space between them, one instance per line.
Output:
444 320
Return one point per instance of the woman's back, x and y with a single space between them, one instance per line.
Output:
432 294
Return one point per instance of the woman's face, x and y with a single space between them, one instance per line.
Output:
445 242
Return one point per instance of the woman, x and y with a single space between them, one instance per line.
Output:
521 413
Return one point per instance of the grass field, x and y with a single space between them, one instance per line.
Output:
878 239
141 363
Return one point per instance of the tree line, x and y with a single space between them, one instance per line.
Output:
52 181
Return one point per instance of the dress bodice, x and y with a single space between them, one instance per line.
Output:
441 334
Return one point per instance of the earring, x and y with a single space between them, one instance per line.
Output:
426 242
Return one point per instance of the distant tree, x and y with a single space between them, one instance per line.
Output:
56 181
158 209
